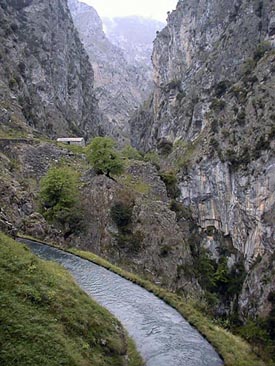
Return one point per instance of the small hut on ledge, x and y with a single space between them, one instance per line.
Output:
72 141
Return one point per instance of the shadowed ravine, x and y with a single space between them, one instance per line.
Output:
162 336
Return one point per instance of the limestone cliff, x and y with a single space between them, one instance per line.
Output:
214 68
204 44
121 84
45 75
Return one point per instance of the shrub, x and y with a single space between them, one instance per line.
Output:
221 88
102 155
261 49
182 212
241 117
165 147
173 84
59 199
253 332
231 156
217 105
129 152
153 158
270 321
214 125
12 83
130 242
170 180
214 143
121 214
248 66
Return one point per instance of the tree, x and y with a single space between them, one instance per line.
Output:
129 152
59 199
102 155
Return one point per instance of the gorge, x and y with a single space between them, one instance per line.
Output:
196 199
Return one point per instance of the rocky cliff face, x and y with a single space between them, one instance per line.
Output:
204 44
121 84
46 78
214 68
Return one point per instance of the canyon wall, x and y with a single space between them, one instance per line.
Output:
45 75
213 99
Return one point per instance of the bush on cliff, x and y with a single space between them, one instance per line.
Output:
104 158
59 199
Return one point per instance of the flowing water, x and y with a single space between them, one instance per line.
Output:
162 336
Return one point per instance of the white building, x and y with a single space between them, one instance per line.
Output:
72 141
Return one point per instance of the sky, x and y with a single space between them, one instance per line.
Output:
156 9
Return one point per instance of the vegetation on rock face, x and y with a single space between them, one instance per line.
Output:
170 180
104 158
129 152
165 147
121 214
221 283
47 320
59 199
126 239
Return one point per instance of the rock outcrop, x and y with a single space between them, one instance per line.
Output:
214 67
45 75
151 242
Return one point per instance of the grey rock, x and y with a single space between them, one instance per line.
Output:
214 81
46 78
202 45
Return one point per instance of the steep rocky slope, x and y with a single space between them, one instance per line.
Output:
151 243
121 84
213 100
46 78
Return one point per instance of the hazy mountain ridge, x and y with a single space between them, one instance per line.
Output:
135 36
122 84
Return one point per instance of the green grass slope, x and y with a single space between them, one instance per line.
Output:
47 320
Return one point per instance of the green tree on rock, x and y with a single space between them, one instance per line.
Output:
104 158
59 199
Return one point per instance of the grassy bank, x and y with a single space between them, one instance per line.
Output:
47 320
233 349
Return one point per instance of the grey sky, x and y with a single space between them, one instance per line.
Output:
156 9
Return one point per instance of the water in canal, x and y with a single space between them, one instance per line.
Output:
162 336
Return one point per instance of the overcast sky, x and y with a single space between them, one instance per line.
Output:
156 9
